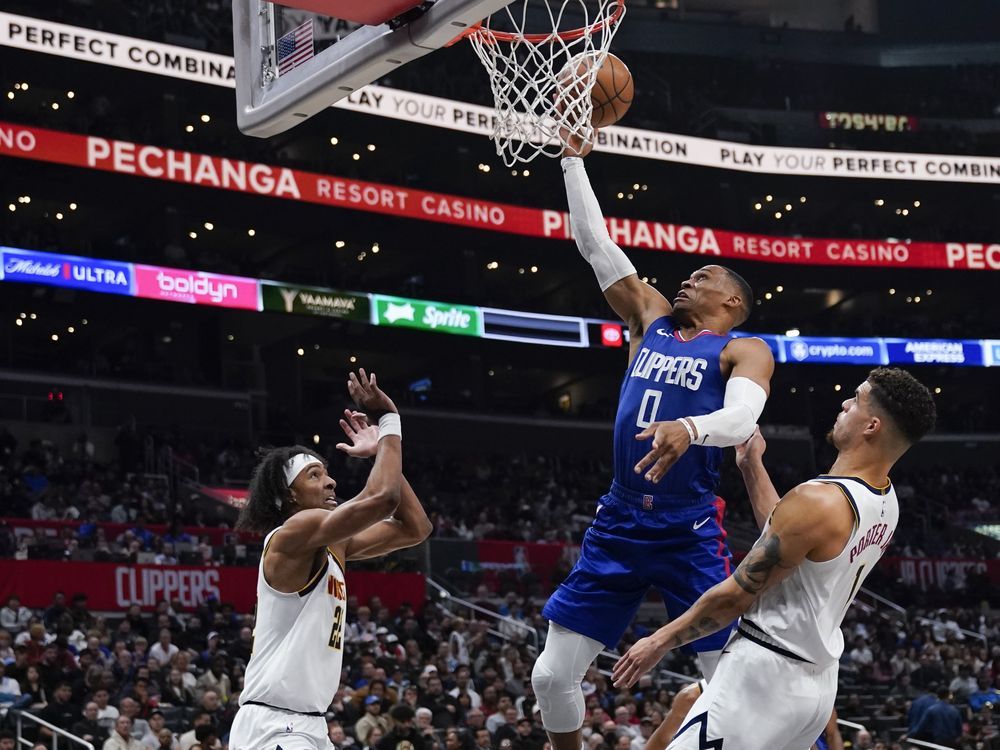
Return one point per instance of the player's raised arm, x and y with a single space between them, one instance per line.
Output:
315 528
634 301
809 518
760 488
408 525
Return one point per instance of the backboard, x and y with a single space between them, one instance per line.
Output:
296 58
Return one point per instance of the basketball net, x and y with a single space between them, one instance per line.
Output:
541 82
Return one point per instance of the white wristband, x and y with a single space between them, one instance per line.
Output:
687 426
389 424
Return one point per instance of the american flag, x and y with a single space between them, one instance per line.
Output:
295 47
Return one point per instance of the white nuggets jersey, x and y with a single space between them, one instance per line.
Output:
298 641
802 614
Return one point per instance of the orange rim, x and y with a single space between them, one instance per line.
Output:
491 36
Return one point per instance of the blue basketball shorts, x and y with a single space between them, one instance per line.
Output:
675 544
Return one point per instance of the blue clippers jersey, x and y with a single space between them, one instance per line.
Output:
668 379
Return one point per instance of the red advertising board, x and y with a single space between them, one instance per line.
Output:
195 287
123 157
942 573
114 587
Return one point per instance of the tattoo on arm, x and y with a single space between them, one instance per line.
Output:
754 572
705 626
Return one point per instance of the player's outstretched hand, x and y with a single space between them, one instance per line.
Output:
752 451
670 440
363 436
642 657
368 396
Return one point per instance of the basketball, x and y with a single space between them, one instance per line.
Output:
612 93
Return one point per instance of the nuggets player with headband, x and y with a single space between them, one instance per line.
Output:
298 647
690 390
776 681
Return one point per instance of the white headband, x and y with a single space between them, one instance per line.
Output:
295 465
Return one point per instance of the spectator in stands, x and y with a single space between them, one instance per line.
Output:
941 723
182 663
106 713
465 686
155 723
33 692
242 648
175 692
59 712
216 679
445 709
189 738
211 702
121 738
340 739
529 736
130 707
163 650
964 683
984 694
7 740
55 610
167 741
362 630
862 740
404 734
13 617
6 647
10 690
646 728
372 718
89 728
422 719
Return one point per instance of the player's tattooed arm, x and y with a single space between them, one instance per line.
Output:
763 561
705 626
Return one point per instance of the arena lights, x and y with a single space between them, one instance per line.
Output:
230 337
792 333
300 351
315 439
357 156
916 204
18 322
54 337
251 232
70 94
339 244
534 269
209 226
492 266
768 198
892 291
483 167
59 215
802 199
206 118
937 390
167 339
788 206
879 202
777 214
352 359
779 288
375 247
33 316
189 128
55 105
334 140
371 146
768 295
72 207
193 235
758 206
362 255
10 94
11 207
316 347
70 329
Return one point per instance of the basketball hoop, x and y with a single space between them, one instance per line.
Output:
541 82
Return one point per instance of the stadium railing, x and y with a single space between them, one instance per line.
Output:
71 739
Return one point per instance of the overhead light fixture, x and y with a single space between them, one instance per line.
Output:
758 206
300 351
339 243
193 235
209 226
189 128
72 207
792 333
371 146
334 141
252 232
206 118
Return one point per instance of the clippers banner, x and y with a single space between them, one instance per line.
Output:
133 159
114 587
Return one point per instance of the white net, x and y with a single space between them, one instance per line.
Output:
541 77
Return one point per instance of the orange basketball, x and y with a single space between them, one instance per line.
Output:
612 93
